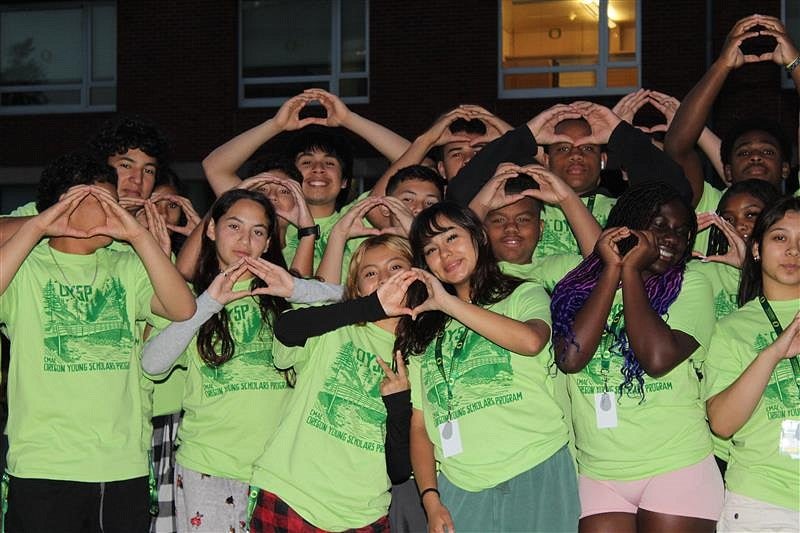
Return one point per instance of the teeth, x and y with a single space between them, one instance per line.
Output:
665 254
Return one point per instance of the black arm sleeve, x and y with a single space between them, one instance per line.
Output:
295 327
516 146
398 429
643 161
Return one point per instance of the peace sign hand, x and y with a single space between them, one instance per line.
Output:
394 382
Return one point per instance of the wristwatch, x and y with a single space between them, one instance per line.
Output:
310 230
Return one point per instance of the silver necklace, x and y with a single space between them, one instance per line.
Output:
96 267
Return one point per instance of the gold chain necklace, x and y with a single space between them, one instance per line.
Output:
96 267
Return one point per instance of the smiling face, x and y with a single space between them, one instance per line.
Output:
672 228
243 230
378 264
741 211
579 166
136 173
452 256
756 155
779 253
514 231
322 177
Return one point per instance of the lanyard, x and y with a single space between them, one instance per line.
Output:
605 357
590 204
440 363
776 325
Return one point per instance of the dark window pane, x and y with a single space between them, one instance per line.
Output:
286 38
42 46
353 87
104 43
354 37
41 98
103 96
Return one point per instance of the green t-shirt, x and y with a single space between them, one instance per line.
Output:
325 226
708 202
557 236
548 271
75 347
495 393
232 410
525 271
326 459
25 210
756 467
724 281
667 430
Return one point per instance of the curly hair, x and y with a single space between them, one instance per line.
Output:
121 134
76 168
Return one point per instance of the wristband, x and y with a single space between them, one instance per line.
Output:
426 491
310 230
793 65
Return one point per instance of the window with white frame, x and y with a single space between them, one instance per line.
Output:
790 11
568 47
58 57
286 46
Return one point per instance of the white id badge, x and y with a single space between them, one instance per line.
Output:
790 438
605 407
450 435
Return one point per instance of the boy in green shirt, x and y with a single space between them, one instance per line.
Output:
76 432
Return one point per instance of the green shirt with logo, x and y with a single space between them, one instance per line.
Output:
326 459
664 431
76 406
757 468
503 402
232 410
557 236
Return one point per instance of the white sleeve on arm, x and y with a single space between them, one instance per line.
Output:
310 291
162 350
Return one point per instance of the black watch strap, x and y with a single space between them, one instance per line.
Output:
310 230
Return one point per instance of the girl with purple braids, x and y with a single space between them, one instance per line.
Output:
626 322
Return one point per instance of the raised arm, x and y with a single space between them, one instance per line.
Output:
384 140
521 337
350 226
658 348
53 222
553 190
172 299
220 166
572 355
437 135
692 114
295 327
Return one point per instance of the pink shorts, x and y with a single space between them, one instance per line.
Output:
695 491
